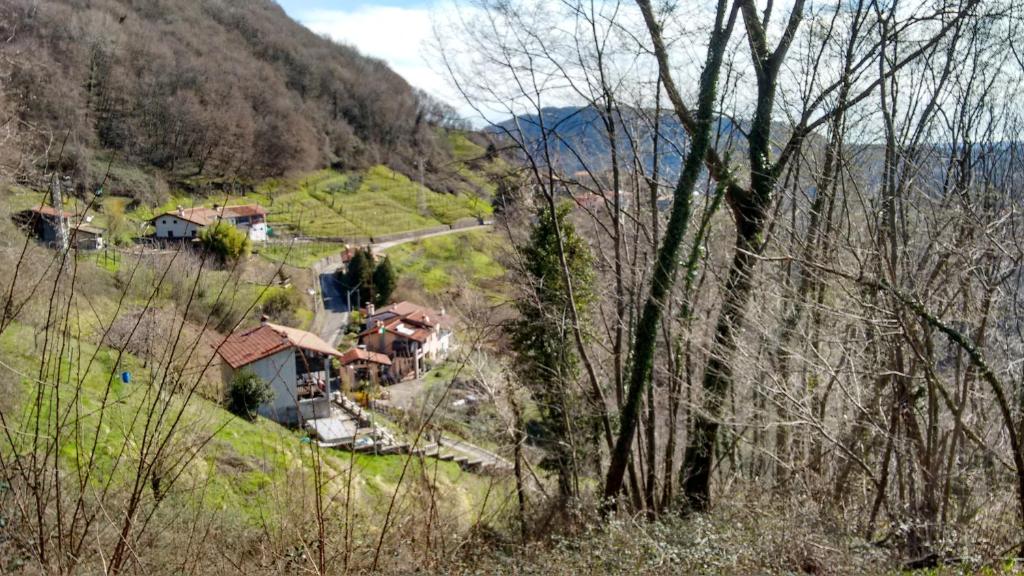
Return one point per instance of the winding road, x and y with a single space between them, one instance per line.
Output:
382 246
331 314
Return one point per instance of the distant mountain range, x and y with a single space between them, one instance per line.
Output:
578 141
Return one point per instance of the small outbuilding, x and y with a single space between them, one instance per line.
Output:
49 225
361 365
87 237
44 222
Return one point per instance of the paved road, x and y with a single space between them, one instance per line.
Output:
378 248
332 315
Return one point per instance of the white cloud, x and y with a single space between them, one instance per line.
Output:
398 35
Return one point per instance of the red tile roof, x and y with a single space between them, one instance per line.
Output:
414 313
200 216
399 328
247 346
206 216
305 340
246 210
357 354
50 211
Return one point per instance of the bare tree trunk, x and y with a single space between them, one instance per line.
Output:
666 264
750 209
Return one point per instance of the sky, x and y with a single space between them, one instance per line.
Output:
395 31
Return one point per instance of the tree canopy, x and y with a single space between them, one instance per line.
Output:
539 335
226 241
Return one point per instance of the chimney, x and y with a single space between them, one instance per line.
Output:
370 310
264 319
181 210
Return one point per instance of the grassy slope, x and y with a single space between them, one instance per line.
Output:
322 204
442 264
299 254
246 470
332 204
243 466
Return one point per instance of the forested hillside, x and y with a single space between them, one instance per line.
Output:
195 93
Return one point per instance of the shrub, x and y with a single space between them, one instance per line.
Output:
281 304
226 241
355 323
246 393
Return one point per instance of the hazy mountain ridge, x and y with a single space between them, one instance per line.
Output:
577 138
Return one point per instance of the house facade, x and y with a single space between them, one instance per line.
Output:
412 336
295 363
186 223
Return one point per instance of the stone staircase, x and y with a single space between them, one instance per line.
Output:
469 457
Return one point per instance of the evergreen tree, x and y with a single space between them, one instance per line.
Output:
360 273
541 336
385 280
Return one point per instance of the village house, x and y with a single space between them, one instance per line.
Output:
362 365
48 224
296 364
414 337
187 222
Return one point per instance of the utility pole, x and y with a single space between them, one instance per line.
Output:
348 296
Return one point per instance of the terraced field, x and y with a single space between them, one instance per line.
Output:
329 204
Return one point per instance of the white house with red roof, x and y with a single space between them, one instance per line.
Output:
187 222
412 336
296 364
